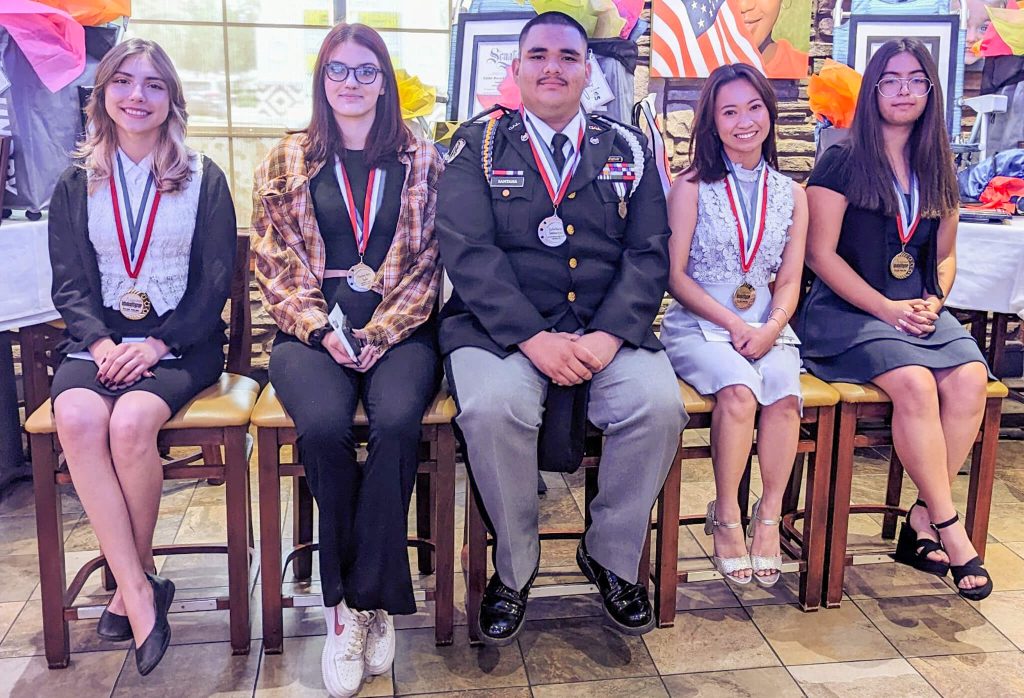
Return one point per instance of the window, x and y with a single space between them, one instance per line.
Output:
245 65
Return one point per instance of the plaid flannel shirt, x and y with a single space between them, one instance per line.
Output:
290 254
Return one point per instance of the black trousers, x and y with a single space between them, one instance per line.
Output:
363 509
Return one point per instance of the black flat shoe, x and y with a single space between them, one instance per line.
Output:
914 551
971 568
626 605
155 645
503 611
114 627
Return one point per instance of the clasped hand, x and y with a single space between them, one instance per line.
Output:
915 317
570 359
368 356
122 365
753 342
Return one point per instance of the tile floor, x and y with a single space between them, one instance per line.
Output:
898 632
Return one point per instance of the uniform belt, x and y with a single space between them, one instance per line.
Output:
336 273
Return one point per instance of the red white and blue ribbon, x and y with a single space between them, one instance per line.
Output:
362 221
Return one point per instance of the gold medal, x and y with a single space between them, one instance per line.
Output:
744 296
902 265
360 277
134 304
623 209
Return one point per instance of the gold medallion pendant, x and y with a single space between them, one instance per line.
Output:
901 266
744 296
134 304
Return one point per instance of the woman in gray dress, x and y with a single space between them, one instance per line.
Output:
737 223
883 217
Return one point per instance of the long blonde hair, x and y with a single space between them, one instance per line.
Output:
171 158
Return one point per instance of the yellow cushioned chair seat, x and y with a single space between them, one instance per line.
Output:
226 403
270 413
869 392
816 393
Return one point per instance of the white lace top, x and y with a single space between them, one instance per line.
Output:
164 273
715 250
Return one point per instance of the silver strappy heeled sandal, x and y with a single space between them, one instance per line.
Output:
726 566
761 563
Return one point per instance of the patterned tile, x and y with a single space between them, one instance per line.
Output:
712 640
423 668
878 679
744 683
996 674
832 635
581 649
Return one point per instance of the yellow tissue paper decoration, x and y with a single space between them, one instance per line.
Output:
416 99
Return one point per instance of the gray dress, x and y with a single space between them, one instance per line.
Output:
842 342
714 264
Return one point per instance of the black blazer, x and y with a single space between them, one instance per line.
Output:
507 285
76 277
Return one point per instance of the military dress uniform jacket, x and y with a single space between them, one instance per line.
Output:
610 273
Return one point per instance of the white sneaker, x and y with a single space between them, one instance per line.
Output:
342 660
380 644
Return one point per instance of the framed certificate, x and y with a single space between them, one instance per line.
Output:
485 46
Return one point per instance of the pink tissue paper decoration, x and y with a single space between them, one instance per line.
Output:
630 11
52 41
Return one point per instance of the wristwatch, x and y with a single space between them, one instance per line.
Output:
316 337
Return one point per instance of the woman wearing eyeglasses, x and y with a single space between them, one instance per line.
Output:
881 240
343 215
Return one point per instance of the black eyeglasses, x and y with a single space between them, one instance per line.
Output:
365 74
918 87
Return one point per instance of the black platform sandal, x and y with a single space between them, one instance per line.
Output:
914 551
971 568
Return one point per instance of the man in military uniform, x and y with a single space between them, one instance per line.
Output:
553 230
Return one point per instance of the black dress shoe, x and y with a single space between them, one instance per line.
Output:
114 627
152 650
503 611
625 604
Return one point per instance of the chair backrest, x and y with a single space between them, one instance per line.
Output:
240 319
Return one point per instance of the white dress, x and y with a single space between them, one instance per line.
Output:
714 264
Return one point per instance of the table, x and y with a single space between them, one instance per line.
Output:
990 267
24 300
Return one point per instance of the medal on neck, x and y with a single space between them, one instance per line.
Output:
134 304
749 228
361 275
901 266
551 230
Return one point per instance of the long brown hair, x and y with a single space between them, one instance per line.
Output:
706 163
388 135
171 158
931 158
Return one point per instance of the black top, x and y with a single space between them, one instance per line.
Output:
76 286
868 240
338 236
508 286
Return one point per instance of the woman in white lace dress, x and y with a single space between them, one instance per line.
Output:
142 242
737 249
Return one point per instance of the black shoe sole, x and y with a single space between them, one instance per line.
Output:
588 572
123 636
500 642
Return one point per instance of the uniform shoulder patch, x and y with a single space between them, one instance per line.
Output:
455 150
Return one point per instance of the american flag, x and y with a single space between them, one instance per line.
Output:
690 38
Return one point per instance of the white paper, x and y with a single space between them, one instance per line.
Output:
716 333
337 318
86 356
598 92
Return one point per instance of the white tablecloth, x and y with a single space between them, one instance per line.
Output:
24 274
990 267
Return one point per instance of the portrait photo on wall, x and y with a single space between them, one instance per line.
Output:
939 33
690 38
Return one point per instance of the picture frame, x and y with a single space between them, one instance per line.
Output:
939 33
485 44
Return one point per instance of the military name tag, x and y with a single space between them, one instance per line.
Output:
509 178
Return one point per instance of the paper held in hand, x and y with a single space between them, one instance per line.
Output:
343 330
716 333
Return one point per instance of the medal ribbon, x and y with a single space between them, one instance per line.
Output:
134 222
546 165
133 272
907 221
747 224
362 223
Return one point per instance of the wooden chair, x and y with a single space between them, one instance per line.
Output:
216 418
477 539
865 414
435 512
805 545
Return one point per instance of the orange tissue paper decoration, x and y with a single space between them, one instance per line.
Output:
92 13
833 93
